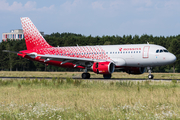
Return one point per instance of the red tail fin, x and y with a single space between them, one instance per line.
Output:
33 37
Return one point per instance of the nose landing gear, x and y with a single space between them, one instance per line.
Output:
150 76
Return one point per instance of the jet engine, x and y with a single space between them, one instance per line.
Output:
103 67
135 70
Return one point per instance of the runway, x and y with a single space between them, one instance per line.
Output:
101 79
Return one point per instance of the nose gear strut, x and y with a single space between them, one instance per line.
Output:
150 76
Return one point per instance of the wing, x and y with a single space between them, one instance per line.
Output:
86 62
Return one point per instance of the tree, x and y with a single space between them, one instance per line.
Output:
174 48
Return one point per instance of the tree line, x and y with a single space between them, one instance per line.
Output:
12 62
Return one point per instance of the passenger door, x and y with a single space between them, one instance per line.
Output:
145 53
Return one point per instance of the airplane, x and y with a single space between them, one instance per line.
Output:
101 59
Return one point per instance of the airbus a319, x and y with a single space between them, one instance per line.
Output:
102 59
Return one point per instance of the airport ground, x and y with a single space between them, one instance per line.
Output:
93 75
88 99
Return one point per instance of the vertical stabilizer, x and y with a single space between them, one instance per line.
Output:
33 37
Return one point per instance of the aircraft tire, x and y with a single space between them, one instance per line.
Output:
85 75
107 76
150 76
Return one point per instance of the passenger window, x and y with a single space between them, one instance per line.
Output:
157 51
106 52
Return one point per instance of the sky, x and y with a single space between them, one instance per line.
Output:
94 17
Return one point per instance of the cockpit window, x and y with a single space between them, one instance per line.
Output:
162 50
165 51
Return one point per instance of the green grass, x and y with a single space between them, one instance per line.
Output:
77 99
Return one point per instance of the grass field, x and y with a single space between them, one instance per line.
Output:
93 75
86 100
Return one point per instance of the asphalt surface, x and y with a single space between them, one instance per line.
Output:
48 78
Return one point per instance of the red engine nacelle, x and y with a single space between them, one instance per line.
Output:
135 70
103 67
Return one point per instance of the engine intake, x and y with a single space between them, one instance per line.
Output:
103 67
135 70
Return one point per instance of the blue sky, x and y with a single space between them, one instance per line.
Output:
94 17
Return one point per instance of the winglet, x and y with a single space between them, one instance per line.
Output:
33 37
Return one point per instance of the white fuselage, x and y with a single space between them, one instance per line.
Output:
139 55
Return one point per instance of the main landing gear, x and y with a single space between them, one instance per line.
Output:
107 76
150 76
85 75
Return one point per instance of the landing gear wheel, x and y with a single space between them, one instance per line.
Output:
150 76
107 76
85 76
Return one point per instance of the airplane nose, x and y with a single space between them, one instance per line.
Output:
172 58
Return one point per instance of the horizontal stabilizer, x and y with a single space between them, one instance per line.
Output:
10 51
